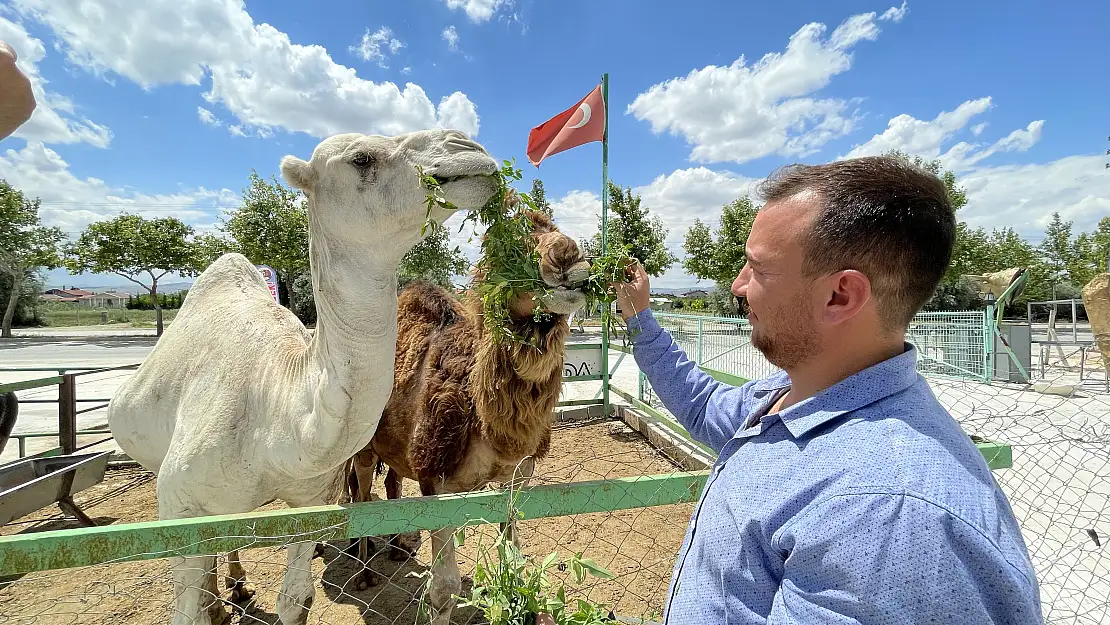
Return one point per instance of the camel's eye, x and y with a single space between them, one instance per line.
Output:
362 160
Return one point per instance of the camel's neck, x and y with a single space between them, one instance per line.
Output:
352 351
516 387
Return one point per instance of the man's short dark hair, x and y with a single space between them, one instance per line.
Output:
879 215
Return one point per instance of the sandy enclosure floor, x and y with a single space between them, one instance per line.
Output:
638 546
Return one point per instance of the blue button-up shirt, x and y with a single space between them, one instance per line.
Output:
866 503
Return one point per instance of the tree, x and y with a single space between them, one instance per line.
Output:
631 225
1056 249
130 246
433 260
1100 245
270 227
25 245
539 197
720 258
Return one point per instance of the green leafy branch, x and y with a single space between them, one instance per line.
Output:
509 266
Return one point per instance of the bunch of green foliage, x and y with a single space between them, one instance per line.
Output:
509 265
511 589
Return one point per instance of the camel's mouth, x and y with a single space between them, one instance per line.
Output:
563 301
466 191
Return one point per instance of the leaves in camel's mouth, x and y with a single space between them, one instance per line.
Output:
509 265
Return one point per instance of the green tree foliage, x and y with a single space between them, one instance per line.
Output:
433 260
720 258
25 246
26 307
631 225
132 246
270 227
539 197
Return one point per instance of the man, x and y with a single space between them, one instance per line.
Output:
16 99
843 491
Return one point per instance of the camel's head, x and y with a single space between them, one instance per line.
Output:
367 188
563 268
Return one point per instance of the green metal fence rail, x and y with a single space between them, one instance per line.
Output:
61 549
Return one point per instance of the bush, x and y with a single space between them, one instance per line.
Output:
959 294
168 302
303 300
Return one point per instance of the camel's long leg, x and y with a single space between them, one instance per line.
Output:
363 466
298 589
519 481
236 580
402 546
446 581
196 592
196 595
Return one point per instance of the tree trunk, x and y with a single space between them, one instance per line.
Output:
157 307
13 299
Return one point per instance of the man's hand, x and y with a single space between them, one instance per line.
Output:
635 295
17 102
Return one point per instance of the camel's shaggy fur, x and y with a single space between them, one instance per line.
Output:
237 405
466 412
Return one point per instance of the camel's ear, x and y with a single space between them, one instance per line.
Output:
298 173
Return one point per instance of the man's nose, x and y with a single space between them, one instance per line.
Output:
740 284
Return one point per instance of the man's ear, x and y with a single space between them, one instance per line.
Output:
849 292
298 173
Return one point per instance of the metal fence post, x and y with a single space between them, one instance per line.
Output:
988 343
699 339
67 413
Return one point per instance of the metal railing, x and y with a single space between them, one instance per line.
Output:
951 344
66 381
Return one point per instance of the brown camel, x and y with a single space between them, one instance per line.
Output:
466 412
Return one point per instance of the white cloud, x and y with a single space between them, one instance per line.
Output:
406 70
478 10
455 111
1025 196
978 129
255 71
72 203
743 112
451 36
55 119
927 138
895 14
207 117
371 46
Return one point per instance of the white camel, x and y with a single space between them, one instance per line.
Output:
238 406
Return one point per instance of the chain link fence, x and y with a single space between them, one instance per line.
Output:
614 549
1057 425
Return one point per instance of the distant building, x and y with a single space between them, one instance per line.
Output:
696 293
107 299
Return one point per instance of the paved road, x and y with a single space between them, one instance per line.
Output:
95 349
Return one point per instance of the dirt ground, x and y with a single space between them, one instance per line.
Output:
638 546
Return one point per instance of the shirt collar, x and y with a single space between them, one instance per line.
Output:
874 383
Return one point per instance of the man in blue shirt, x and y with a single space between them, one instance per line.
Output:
843 491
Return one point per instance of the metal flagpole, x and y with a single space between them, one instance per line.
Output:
604 242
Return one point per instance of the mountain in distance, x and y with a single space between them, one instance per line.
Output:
168 288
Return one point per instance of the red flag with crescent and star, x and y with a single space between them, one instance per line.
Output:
582 123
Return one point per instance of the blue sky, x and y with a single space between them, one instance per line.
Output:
164 107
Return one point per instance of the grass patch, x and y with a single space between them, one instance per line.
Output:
64 316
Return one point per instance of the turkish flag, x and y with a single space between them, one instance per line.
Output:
582 123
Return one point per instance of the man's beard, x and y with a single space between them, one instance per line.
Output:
784 342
